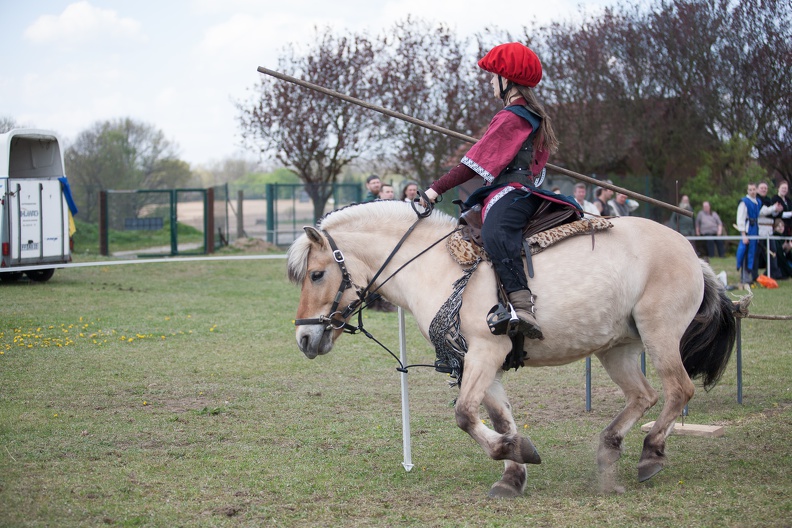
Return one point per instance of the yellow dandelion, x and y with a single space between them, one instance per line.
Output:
145 402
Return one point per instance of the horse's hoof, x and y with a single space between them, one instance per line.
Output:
528 452
503 490
648 471
608 485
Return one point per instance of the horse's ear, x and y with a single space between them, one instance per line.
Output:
314 235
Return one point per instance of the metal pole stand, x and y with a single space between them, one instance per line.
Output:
406 447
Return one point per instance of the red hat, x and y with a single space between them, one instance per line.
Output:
514 61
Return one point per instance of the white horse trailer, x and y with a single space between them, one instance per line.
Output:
34 212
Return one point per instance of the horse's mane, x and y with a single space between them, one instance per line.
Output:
359 217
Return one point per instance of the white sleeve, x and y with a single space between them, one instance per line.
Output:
767 210
590 209
742 216
632 204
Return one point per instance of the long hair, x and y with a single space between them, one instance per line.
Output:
545 138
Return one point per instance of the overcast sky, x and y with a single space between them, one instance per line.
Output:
179 65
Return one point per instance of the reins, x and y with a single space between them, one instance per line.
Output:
366 295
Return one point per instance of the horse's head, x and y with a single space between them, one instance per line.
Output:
313 266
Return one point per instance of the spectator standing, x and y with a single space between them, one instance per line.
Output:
622 206
786 203
748 225
601 198
373 184
767 212
708 223
410 192
580 198
682 223
386 192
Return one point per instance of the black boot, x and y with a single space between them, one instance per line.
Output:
523 303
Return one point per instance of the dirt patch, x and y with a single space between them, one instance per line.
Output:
253 245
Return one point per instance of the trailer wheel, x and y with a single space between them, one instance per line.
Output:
40 275
10 276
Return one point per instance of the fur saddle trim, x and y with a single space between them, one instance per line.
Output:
466 252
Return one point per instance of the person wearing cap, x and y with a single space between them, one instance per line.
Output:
510 158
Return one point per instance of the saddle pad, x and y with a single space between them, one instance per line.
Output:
466 253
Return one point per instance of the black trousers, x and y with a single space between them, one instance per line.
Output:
502 235
712 244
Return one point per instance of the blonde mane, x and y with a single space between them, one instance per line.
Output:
360 217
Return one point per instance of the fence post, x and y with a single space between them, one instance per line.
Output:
209 236
240 215
103 224
588 383
174 227
270 213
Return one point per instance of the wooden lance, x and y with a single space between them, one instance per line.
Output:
466 138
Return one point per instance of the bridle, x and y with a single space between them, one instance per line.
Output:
336 319
346 282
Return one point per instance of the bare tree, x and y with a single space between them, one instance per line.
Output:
428 72
582 82
313 134
755 66
7 123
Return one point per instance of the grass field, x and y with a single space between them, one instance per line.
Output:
173 394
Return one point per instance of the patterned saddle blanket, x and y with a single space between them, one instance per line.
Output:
466 252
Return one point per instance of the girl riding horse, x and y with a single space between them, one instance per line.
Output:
510 157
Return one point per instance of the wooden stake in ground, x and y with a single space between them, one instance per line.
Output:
709 431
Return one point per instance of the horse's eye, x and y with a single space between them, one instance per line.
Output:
317 276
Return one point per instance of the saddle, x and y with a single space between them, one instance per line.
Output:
548 226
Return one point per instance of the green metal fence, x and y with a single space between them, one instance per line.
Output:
289 208
158 210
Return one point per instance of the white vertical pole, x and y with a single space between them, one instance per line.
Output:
408 465
767 245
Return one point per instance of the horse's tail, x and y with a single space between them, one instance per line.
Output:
707 343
